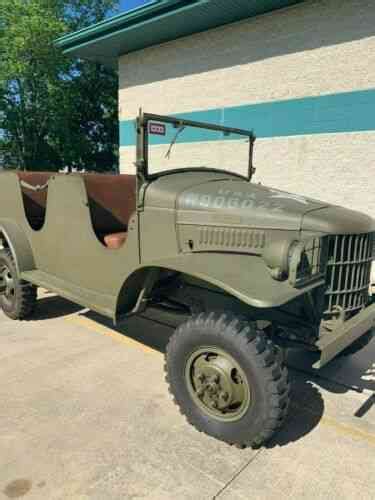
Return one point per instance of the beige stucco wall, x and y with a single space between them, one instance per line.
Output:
335 169
312 49
319 47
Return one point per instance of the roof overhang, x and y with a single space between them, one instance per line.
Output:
157 22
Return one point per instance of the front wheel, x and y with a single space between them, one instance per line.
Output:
227 379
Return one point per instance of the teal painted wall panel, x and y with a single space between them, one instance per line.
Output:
128 135
334 113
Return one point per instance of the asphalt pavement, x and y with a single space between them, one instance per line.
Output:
85 414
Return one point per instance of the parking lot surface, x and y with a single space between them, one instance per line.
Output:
85 414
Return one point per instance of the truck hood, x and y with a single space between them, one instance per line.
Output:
211 198
337 220
244 204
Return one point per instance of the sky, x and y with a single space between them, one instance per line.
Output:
131 4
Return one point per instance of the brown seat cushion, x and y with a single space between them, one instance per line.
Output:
115 240
112 200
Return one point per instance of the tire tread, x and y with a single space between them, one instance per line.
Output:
261 350
27 293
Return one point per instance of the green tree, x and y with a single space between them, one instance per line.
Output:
55 111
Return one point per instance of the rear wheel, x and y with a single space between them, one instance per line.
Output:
227 379
18 297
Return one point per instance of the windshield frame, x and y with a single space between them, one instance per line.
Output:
142 129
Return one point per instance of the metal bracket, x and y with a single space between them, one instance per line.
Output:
333 343
37 188
144 295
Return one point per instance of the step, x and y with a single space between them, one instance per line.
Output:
102 303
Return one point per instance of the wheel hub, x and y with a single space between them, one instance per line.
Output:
7 285
218 383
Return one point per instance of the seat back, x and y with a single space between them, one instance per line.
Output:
112 200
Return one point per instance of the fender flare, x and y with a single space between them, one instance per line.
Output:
16 240
245 277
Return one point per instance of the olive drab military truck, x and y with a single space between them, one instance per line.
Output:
250 271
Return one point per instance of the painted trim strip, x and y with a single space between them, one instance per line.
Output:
156 11
326 114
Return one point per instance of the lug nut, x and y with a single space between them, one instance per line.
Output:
201 377
224 396
212 389
200 393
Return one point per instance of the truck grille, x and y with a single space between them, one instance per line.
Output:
348 272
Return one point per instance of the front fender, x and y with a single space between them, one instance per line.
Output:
246 277
16 239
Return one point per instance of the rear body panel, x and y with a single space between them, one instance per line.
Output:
66 247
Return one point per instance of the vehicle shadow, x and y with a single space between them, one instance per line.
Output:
354 373
148 328
154 329
357 373
308 385
305 412
50 306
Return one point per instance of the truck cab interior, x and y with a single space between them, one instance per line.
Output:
111 202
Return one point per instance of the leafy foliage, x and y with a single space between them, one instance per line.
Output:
54 111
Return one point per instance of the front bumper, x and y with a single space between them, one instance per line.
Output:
334 342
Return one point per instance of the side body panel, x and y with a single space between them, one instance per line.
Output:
13 222
171 236
68 255
158 239
66 248
245 277
16 240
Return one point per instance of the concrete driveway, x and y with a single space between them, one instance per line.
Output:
85 414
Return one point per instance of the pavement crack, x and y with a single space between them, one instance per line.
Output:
367 405
236 474
207 475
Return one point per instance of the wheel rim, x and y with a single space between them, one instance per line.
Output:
217 384
7 285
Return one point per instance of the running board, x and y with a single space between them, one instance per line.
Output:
103 304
